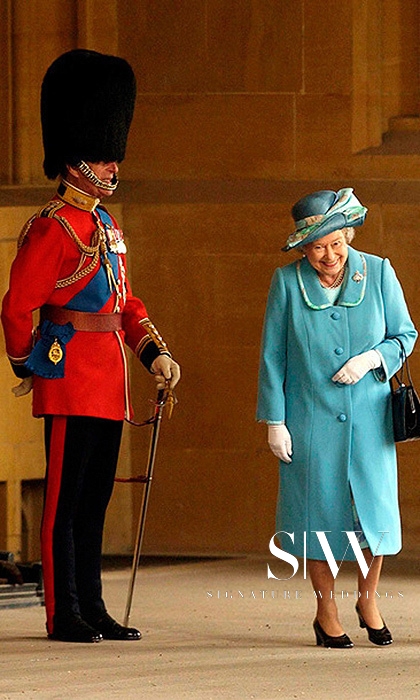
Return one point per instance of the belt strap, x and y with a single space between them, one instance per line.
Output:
83 320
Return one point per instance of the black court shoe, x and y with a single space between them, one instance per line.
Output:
325 640
111 629
382 637
75 630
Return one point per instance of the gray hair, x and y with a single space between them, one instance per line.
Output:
349 234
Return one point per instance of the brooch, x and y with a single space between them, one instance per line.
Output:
357 277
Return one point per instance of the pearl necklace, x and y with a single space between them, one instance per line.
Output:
338 280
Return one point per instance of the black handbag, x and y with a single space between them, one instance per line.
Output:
405 403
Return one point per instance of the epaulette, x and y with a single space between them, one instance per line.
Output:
50 209
47 210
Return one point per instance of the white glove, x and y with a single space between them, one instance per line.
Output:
280 442
24 387
166 370
357 367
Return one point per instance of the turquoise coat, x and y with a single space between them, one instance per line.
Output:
342 434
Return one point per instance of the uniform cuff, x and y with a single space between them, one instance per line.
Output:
20 370
149 353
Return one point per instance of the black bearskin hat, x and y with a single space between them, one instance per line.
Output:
87 104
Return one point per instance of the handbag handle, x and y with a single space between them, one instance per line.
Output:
404 365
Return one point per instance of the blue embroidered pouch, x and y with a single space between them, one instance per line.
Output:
48 357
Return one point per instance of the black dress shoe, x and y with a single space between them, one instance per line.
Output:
325 640
111 629
382 637
75 630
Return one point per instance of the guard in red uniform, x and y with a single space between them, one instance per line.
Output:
71 265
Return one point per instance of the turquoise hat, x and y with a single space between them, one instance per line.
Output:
318 214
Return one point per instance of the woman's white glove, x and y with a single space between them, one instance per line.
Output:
280 442
24 387
357 367
165 370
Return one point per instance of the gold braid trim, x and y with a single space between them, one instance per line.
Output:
91 251
25 230
88 251
79 273
152 334
48 211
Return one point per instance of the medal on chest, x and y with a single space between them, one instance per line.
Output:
115 239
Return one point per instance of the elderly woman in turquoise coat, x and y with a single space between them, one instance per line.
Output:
333 323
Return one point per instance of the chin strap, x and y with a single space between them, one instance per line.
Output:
88 172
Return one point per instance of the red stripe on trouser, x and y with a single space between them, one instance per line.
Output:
55 468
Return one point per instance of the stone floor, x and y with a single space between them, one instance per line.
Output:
219 629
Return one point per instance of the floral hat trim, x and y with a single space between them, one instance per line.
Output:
352 213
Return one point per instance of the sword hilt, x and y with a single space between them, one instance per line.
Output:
166 397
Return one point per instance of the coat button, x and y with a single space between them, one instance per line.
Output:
339 351
342 417
336 315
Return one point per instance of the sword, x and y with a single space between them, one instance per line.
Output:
163 396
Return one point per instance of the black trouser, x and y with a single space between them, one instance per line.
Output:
82 454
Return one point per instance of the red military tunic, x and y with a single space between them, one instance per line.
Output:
59 263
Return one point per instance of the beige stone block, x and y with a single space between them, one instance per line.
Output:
12 220
3 510
32 491
388 168
400 57
398 103
323 143
204 501
214 46
16 421
327 56
220 501
254 46
30 455
210 228
216 398
370 237
166 44
221 136
120 519
202 302
240 287
211 252
90 14
14 516
5 100
267 467
190 264
408 479
401 246
18 426
7 460
177 291
366 70
51 26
